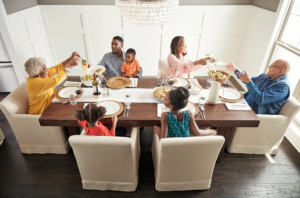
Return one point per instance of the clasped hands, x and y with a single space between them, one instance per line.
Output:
244 77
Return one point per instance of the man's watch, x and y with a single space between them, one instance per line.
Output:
67 69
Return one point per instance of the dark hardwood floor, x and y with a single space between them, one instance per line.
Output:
237 176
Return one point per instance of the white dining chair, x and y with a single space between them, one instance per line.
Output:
107 163
266 138
163 69
185 163
2 137
31 136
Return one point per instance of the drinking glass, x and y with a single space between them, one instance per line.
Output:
78 90
103 81
202 99
164 81
208 82
73 99
127 100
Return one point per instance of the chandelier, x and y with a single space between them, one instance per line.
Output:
147 12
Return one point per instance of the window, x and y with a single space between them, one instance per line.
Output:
287 47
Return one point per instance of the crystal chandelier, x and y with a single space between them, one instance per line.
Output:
147 12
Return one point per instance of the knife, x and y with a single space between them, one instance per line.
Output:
125 110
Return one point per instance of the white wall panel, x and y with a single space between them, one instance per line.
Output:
25 51
222 46
255 62
216 21
265 30
34 25
19 29
63 21
145 53
104 21
40 48
100 45
65 44
141 27
245 52
181 20
254 24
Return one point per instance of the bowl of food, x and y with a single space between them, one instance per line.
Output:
87 80
159 93
196 89
98 70
219 76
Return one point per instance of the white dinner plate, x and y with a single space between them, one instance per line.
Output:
190 107
180 82
111 107
66 92
230 94
94 68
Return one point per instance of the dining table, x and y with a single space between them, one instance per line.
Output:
145 114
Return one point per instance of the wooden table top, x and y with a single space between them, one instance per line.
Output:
145 114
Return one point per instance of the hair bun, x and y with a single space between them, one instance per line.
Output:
182 93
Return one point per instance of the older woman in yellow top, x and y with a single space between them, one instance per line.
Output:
42 81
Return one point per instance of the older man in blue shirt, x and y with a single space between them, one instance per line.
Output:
114 60
268 91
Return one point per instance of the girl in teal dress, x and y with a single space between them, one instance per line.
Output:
176 123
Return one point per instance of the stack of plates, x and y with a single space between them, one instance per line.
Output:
230 95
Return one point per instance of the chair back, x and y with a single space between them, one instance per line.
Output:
102 158
184 160
16 102
163 67
290 109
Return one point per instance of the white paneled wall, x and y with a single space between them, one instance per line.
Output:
240 33
29 36
89 30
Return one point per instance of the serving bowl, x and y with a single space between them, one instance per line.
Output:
88 83
221 80
160 100
196 89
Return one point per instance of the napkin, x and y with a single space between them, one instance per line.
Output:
194 82
72 84
238 106
134 82
160 109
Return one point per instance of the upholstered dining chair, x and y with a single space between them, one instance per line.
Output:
266 138
31 136
107 163
163 69
185 163
2 137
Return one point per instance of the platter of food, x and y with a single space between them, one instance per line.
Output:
213 61
159 93
219 76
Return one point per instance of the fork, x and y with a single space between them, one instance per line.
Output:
200 111
158 81
203 109
128 108
125 110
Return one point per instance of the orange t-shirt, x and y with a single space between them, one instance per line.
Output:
130 68
99 130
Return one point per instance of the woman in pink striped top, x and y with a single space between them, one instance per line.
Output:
180 63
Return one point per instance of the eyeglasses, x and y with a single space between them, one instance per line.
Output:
275 66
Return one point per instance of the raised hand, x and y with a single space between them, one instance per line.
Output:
202 62
74 59
231 66
114 119
244 77
90 65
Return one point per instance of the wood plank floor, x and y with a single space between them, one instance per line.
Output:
237 176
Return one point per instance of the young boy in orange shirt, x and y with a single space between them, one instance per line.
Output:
130 67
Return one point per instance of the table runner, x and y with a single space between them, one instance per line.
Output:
137 95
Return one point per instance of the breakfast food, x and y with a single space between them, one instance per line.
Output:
98 71
160 93
217 74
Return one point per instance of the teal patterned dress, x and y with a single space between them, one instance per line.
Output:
178 128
